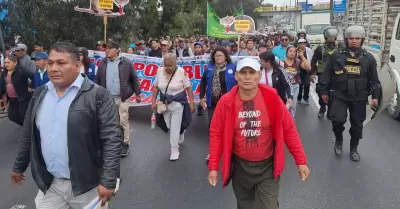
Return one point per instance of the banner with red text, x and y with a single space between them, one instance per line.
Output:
146 68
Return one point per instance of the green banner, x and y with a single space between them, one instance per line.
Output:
214 28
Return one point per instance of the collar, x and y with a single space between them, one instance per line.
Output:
77 83
266 90
45 70
117 59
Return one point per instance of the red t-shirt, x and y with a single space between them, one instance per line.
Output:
252 138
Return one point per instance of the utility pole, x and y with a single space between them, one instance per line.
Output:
331 6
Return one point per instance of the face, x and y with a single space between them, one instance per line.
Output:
154 44
111 52
291 53
219 57
265 64
9 64
302 45
130 50
19 53
354 42
164 47
269 43
262 49
213 45
234 48
330 39
181 44
63 69
250 45
37 48
99 47
242 45
248 78
284 41
198 48
41 63
202 40
302 36
169 65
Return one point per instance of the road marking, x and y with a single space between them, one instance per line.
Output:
18 207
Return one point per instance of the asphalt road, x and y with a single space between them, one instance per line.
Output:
150 181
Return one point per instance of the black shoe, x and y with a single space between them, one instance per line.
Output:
338 148
354 156
306 102
321 115
125 150
200 112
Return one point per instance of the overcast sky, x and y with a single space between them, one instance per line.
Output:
284 2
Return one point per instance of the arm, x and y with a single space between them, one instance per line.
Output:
190 52
317 56
188 85
203 85
305 64
111 140
285 83
156 90
134 79
216 137
373 73
291 136
289 92
22 159
327 75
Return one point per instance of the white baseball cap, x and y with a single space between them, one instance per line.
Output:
248 62
302 40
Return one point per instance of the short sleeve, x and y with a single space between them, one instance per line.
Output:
186 80
157 77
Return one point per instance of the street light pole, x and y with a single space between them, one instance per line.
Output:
331 6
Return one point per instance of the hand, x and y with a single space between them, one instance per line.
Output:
17 178
312 78
154 107
138 99
192 108
203 103
304 172
104 194
213 177
374 104
325 98
290 102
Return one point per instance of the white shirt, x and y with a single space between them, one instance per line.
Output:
269 76
41 73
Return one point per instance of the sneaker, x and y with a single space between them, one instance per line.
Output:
125 150
174 154
338 148
306 102
208 156
181 139
354 155
298 101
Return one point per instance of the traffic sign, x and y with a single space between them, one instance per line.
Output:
339 6
309 7
106 4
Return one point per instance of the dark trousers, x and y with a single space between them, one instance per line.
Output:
254 184
321 103
357 111
17 110
304 85
210 113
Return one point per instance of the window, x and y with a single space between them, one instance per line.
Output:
398 31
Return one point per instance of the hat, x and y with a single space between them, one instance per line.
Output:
263 44
212 41
132 46
41 56
302 40
181 40
248 62
111 44
99 43
21 47
225 43
141 42
198 43
165 43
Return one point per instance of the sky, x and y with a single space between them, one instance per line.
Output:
284 2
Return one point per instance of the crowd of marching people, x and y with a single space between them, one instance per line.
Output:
76 125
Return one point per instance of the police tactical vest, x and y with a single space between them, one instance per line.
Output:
326 53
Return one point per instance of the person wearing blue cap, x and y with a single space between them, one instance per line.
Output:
198 49
40 78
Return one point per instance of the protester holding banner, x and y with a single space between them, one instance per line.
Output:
217 80
173 113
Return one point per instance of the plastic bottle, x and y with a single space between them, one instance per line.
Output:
153 121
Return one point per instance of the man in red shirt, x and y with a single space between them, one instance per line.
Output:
249 130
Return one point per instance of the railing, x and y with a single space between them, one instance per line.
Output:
291 8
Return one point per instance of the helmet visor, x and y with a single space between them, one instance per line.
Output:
331 33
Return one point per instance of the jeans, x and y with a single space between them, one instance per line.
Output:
295 90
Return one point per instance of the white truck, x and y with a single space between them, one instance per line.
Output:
314 23
381 19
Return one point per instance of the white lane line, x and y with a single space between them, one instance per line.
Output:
18 207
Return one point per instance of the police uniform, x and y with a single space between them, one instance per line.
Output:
351 77
320 57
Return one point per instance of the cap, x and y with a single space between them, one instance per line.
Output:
302 40
41 56
21 47
141 42
198 43
181 40
132 46
225 43
212 41
111 44
248 62
165 43
99 43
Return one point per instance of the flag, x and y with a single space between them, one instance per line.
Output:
214 28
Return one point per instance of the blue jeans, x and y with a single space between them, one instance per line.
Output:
295 90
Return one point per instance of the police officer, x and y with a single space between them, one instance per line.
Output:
351 72
320 57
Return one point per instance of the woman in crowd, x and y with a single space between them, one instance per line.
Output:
131 50
270 45
14 84
173 110
274 76
242 45
292 67
88 68
217 80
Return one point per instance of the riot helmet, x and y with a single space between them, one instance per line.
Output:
331 32
302 31
354 31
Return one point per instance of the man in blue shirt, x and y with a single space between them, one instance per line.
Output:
40 78
280 50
